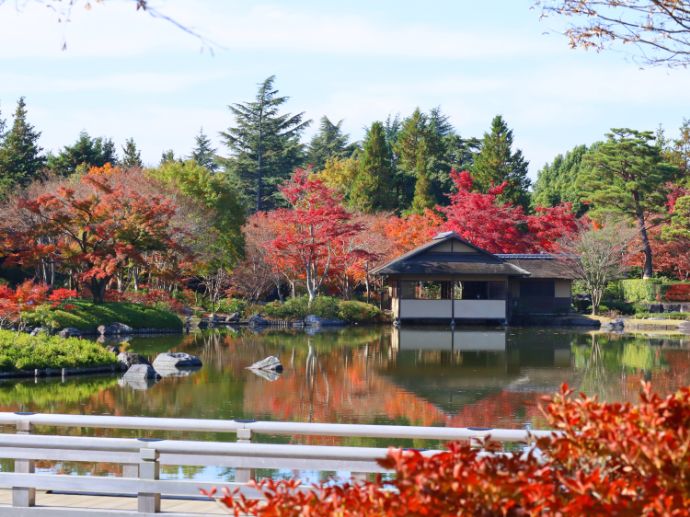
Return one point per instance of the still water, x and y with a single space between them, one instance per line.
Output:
374 375
411 376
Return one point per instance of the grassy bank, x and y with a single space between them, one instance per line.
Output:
20 351
87 316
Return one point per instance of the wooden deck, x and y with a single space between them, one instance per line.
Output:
103 502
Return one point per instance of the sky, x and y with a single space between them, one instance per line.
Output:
119 73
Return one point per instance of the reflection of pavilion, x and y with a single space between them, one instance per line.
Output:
444 339
455 368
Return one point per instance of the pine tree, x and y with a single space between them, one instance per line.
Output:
556 181
371 188
496 162
21 160
131 157
204 154
86 152
328 143
627 174
264 145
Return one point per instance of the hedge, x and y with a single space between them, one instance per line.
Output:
87 316
323 307
21 351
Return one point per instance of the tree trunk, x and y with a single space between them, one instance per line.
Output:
648 271
98 286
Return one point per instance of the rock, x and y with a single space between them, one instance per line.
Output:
269 375
69 332
616 325
315 321
139 377
232 318
270 363
138 372
40 330
257 321
176 360
114 328
128 359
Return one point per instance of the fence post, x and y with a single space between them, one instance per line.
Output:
149 469
24 496
244 435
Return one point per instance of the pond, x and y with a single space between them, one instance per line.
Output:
374 375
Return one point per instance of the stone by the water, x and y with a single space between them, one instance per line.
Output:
174 360
114 328
69 332
140 372
128 359
270 363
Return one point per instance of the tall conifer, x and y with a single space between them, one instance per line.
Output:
496 162
371 189
131 157
21 160
328 143
264 145
204 153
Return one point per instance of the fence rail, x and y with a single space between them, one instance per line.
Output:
142 458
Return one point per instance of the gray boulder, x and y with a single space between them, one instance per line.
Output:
176 360
269 364
141 371
69 332
128 359
139 377
257 321
40 330
616 325
114 329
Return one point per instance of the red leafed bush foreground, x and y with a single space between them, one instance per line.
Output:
610 459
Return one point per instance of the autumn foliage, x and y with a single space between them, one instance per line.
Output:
606 459
27 297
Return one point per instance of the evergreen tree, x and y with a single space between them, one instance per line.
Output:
131 157
168 156
21 160
496 162
329 142
557 181
411 149
204 154
627 175
423 197
371 187
86 152
264 145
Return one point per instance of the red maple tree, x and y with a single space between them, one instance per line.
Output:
310 233
97 227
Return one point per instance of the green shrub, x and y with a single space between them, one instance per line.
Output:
359 312
640 290
664 315
87 316
20 351
325 307
230 305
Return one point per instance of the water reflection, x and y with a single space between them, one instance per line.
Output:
469 377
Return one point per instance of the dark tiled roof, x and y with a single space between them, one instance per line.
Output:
451 264
545 265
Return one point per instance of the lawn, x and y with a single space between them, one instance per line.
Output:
21 351
86 316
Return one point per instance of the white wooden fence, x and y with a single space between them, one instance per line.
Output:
142 457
